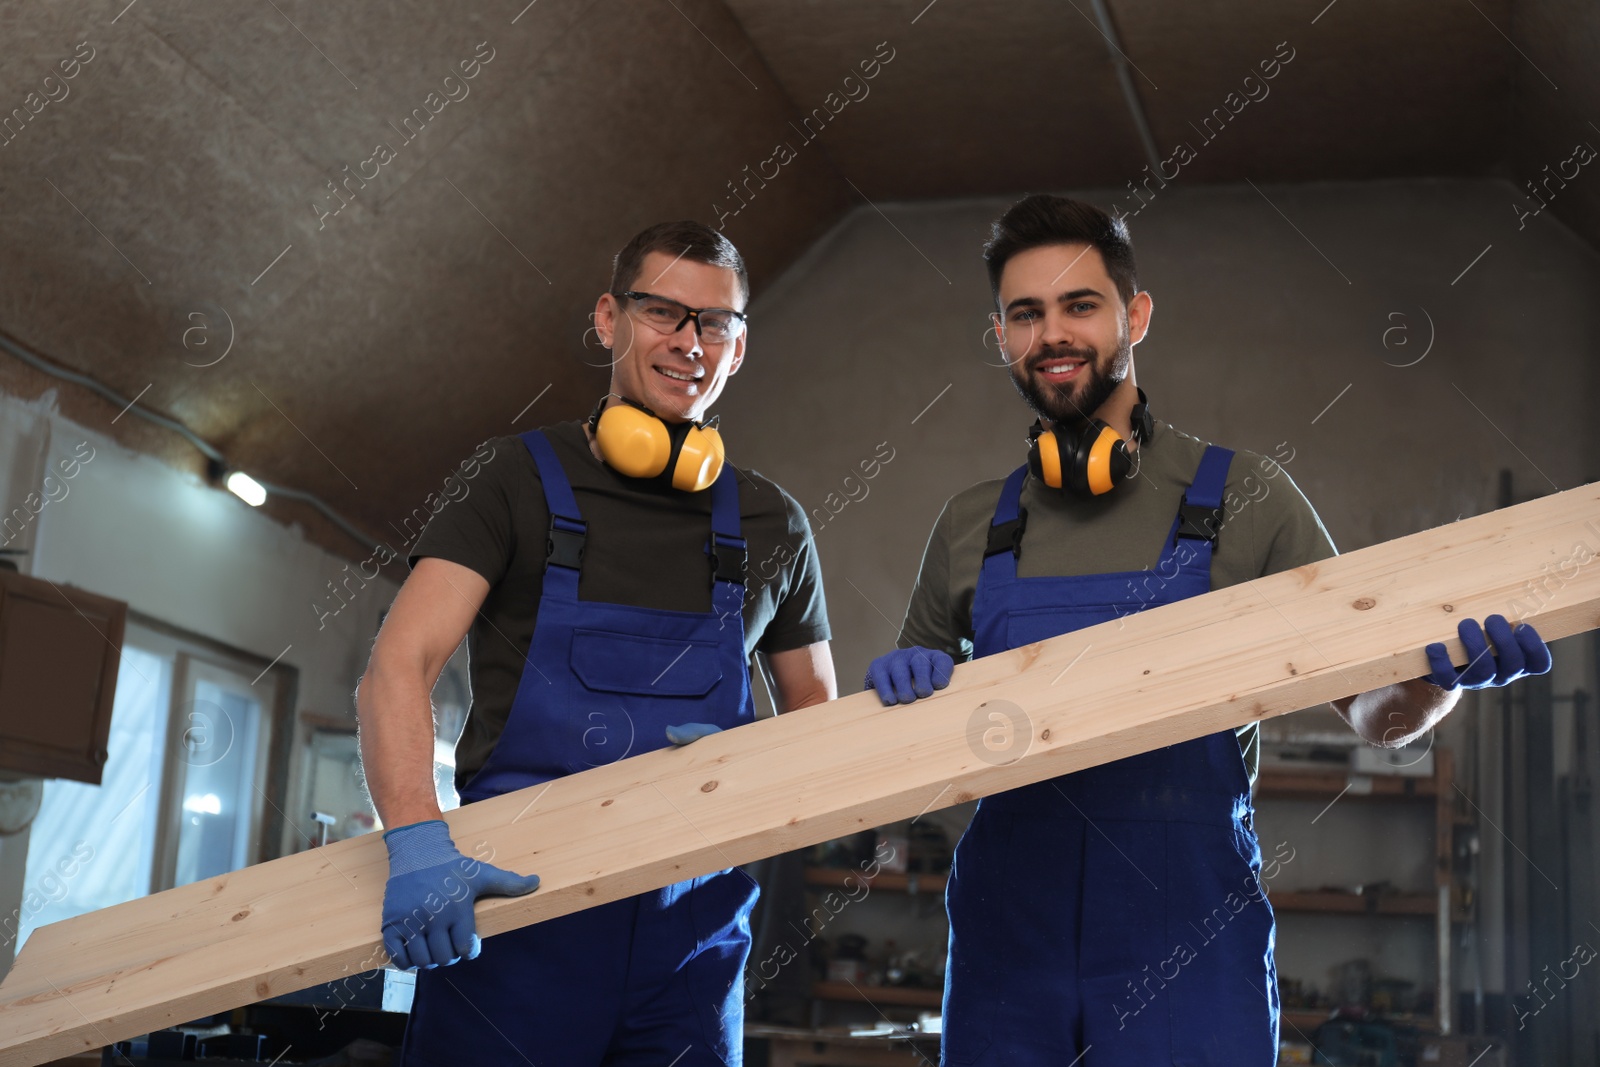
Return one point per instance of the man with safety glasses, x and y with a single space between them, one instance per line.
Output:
598 570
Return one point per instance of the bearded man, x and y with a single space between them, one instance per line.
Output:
1115 916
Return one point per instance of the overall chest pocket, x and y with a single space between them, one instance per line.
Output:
1040 624
645 666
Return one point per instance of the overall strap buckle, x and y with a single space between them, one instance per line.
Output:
564 547
1201 514
729 556
1199 523
1007 536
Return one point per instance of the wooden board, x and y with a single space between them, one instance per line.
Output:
1264 648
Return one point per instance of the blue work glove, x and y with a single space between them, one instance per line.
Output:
1520 652
427 905
905 674
690 732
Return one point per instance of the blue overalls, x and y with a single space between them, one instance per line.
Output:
1114 913
654 979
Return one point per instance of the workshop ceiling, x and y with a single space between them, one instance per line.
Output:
175 195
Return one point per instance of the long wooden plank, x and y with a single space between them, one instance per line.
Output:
1268 647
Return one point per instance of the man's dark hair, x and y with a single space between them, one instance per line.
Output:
1042 219
686 240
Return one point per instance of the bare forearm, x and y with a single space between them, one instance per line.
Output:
816 694
396 716
802 677
1398 713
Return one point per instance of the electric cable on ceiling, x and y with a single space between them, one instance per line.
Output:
210 451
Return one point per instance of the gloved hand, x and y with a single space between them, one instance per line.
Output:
690 732
905 674
427 904
1520 652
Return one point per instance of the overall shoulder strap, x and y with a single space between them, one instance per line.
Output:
1199 520
1004 542
727 548
568 531
1201 513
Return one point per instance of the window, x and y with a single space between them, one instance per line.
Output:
217 771
185 789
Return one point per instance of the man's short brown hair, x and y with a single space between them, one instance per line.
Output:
685 240
1042 219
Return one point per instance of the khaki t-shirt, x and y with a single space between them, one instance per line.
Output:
645 547
1268 527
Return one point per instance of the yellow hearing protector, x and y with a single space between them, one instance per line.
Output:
1090 460
635 441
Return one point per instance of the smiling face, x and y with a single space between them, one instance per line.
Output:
1066 335
677 375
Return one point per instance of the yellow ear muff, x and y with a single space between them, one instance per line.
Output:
1049 460
634 442
1090 461
699 460
1097 471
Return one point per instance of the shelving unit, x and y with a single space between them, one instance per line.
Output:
879 996
1354 904
1441 905
1308 1019
1311 785
893 881
900 996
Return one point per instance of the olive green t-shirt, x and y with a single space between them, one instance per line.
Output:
646 547
1268 526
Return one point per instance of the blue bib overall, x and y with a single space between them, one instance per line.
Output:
654 979
1114 913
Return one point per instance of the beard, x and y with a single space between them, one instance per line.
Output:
1072 406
